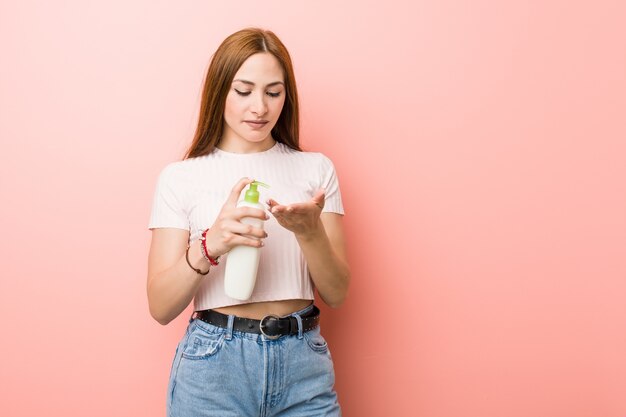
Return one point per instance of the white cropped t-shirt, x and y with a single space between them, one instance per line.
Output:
190 194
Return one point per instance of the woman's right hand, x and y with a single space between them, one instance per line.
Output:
228 231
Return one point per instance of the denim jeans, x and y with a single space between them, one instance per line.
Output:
220 372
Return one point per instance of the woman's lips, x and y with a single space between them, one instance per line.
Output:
256 124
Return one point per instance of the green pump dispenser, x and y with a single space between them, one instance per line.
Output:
252 194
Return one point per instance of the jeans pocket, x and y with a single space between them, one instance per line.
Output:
202 345
316 341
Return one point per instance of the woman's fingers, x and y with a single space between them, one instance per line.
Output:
229 240
231 233
239 228
241 212
235 239
276 208
318 200
255 243
271 203
228 230
296 208
237 189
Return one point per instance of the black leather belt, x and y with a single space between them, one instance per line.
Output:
270 326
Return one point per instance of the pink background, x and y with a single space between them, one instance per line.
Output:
481 151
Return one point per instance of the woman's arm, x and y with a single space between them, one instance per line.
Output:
172 283
321 238
325 253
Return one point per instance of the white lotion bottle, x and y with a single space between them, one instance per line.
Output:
242 262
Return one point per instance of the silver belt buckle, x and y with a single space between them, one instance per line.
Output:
261 325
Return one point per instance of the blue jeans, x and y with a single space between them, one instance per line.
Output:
220 372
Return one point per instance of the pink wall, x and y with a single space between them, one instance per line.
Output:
481 150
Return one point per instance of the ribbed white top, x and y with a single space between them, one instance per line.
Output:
190 194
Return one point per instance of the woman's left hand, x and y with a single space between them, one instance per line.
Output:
300 218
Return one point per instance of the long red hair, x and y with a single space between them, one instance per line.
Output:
225 63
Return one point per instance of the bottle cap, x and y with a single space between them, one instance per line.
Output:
252 194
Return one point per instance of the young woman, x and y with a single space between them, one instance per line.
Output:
263 356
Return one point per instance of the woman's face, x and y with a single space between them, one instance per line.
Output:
253 105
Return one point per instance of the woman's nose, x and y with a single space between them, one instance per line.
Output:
258 106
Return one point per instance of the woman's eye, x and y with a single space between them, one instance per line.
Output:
242 93
273 94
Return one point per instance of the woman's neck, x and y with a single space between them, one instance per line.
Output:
244 146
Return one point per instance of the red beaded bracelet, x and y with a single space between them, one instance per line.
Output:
205 252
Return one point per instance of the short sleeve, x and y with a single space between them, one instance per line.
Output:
167 206
330 183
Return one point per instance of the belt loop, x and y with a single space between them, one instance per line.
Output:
193 313
229 327
299 320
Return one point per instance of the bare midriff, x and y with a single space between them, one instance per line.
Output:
259 310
